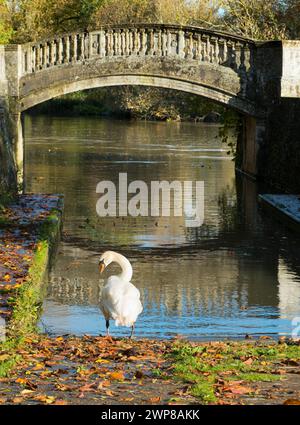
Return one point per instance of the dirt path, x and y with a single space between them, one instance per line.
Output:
96 370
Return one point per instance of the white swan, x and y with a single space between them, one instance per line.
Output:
120 299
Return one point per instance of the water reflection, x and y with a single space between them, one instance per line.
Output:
236 274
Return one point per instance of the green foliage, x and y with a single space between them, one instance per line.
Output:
129 101
257 19
6 30
228 132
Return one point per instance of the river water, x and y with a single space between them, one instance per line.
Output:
237 274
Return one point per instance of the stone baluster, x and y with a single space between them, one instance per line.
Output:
139 41
181 44
169 43
190 46
198 48
82 47
41 56
102 44
126 40
130 41
203 45
216 58
164 45
92 44
37 57
60 51
225 52
117 42
144 42
247 58
122 43
32 59
134 42
52 53
67 47
238 57
150 42
233 56
158 49
208 50
45 56
206 47
75 48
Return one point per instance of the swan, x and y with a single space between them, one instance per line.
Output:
120 299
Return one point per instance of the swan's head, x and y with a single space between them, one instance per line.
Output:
105 260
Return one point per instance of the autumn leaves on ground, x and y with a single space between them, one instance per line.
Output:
97 370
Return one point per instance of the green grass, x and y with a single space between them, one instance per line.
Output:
201 366
28 298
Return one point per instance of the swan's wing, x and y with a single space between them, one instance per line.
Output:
120 301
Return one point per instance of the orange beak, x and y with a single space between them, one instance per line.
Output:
101 267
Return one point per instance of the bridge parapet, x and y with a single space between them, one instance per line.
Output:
190 43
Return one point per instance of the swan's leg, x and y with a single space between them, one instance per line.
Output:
107 327
132 330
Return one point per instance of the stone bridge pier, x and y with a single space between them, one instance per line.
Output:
260 80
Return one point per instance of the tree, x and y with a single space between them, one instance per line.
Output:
6 30
200 12
257 19
289 15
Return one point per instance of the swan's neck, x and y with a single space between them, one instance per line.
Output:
125 265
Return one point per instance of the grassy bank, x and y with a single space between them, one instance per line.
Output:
24 300
222 370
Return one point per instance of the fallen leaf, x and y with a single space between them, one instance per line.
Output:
236 388
87 387
154 400
292 401
4 357
60 402
45 399
25 392
117 376
102 361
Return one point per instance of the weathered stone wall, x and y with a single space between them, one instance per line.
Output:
8 173
280 161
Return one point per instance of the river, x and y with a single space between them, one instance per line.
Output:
237 274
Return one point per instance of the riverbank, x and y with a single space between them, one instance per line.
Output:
70 370
30 226
286 208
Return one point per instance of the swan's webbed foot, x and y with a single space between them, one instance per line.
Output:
107 329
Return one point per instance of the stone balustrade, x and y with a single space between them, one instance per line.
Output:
190 43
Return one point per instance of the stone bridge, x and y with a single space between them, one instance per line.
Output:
242 74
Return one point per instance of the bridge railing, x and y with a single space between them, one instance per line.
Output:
144 40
